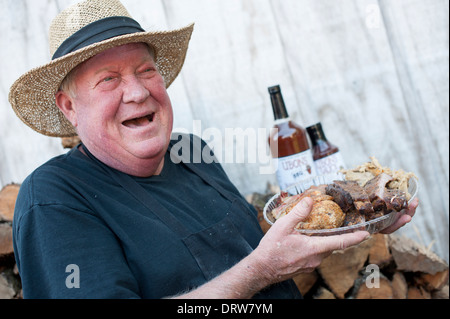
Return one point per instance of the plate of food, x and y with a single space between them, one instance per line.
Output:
369 197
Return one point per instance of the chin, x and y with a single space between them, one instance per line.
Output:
151 148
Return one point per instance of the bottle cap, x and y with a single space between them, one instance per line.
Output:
316 132
278 106
274 89
315 127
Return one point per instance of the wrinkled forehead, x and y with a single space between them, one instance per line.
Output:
125 48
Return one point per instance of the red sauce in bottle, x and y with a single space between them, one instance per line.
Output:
289 145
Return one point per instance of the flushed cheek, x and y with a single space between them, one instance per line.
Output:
168 112
168 118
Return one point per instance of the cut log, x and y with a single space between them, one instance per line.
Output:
340 269
8 196
441 293
6 243
383 291
6 289
433 281
70 142
418 293
379 253
410 256
305 281
399 286
323 293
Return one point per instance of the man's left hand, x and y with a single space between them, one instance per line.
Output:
404 218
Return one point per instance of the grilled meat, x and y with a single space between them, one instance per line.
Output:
349 195
353 217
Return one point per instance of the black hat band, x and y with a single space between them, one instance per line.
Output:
97 31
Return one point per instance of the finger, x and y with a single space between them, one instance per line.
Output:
298 213
340 242
400 222
404 218
411 210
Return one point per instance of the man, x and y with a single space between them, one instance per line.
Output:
126 214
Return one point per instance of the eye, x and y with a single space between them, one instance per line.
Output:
107 79
147 70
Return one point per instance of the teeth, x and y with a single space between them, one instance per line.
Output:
138 121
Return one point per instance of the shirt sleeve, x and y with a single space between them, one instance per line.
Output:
57 259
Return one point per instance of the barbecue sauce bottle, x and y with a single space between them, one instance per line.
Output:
289 145
327 157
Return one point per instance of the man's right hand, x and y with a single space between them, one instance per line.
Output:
283 252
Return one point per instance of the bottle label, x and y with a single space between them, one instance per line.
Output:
330 164
294 169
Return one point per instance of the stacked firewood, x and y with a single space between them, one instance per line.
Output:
9 278
382 267
70 142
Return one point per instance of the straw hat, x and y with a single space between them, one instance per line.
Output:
77 34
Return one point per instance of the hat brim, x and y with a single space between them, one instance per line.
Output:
32 96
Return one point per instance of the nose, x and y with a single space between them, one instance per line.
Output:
134 91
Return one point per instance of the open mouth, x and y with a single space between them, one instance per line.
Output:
139 121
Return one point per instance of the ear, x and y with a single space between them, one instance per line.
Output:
65 103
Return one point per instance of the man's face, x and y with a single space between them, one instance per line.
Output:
122 112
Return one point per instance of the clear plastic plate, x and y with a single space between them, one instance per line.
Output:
372 226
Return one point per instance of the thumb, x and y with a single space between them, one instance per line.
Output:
298 213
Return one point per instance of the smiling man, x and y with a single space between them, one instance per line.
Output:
117 217
116 117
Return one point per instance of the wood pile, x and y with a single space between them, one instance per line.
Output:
70 142
382 267
9 278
